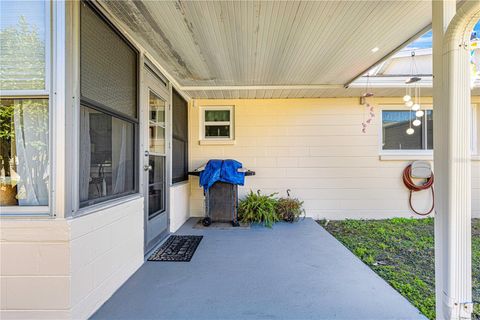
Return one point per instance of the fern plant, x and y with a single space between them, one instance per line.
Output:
289 209
258 208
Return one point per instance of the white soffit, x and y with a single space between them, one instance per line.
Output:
305 93
264 43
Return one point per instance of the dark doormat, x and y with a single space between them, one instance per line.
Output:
177 248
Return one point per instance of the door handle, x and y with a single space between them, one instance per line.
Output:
147 168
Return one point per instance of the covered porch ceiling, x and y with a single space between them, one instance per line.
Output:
260 49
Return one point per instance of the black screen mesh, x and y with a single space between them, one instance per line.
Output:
108 65
179 138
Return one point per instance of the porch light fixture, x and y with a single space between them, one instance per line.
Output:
375 49
412 96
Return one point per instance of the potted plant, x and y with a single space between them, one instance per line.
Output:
258 208
289 209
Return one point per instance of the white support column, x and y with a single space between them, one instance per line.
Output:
442 14
452 155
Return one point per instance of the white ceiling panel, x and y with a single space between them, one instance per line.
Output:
270 42
292 45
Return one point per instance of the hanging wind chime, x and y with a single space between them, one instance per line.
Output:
368 113
412 97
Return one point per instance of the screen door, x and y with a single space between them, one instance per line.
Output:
156 195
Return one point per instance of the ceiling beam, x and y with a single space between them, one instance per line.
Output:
264 87
397 49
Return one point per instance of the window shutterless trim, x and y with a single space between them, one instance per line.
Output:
24 93
45 93
217 123
113 113
25 211
86 210
26 96
177 180
88 203
107 110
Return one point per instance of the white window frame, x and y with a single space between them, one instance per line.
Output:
404 154
425 154
77 210
230 123
50 33
72 199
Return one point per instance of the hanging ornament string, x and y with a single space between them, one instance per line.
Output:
369 110
413 102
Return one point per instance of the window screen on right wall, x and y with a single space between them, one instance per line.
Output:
179 138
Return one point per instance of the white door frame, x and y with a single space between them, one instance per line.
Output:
152 82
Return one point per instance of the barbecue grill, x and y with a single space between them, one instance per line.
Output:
221 200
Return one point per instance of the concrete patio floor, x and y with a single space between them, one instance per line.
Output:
293 271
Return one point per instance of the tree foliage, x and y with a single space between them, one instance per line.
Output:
22 57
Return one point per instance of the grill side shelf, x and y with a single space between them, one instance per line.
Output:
197 173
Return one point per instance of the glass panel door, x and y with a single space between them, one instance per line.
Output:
155 115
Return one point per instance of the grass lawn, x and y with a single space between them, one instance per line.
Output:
401 251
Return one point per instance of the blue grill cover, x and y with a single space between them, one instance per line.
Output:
223 171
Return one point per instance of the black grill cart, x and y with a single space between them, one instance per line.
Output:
221 201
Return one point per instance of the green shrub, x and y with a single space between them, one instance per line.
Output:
258 208
289 209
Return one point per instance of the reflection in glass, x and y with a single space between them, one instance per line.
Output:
217 115
395 125
156 186
106 156
22 45
157 124
217 131
24 155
